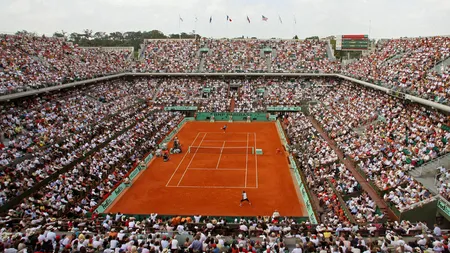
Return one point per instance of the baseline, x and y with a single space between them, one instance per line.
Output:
182 159
215 169
256 162
217 187
192 158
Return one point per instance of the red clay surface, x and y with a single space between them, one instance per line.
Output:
210 183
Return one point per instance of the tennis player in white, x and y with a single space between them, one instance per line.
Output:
244 198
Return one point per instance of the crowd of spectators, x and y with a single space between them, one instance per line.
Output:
403 137
407 64
217 98
169 56
313 153
294 92
326 177
36 62
443 182
207 94
78 191
250 95
235 55
43 134
179 91
306 56
95 134
119 233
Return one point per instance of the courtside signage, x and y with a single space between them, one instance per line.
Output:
108 201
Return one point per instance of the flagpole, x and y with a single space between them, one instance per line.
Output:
195 28
248 29
293 26
179 26
228 32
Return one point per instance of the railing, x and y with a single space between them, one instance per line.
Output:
344 207
17 200
399 212
437 159
221 75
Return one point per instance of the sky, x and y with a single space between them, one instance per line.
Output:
304 18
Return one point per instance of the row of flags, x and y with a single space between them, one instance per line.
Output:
263 18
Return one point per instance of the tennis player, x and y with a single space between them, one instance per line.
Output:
224 128
244 198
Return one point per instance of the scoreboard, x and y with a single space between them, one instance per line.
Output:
353 42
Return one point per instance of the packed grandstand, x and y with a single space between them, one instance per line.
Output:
63 152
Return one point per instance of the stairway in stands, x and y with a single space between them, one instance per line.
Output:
232 98
351 166
232 105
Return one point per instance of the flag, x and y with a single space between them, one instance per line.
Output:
228 18
248 19
196 19
180 19
281 21
264 18
210 19
295 20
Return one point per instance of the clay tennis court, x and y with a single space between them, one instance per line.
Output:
213 170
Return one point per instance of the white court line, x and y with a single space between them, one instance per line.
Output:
246 163
215 169
170 179
192 158
220 156
221 141
232 133
256 162
218 187
221 148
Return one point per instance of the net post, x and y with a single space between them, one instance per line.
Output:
253 150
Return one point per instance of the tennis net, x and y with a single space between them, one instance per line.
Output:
221 150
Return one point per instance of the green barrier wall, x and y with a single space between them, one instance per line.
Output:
237 116
282 137
284 109
148 158
108 201
444 208
298 178
180 108
424 213
309 208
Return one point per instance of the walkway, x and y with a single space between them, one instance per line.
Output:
232 105
351 166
